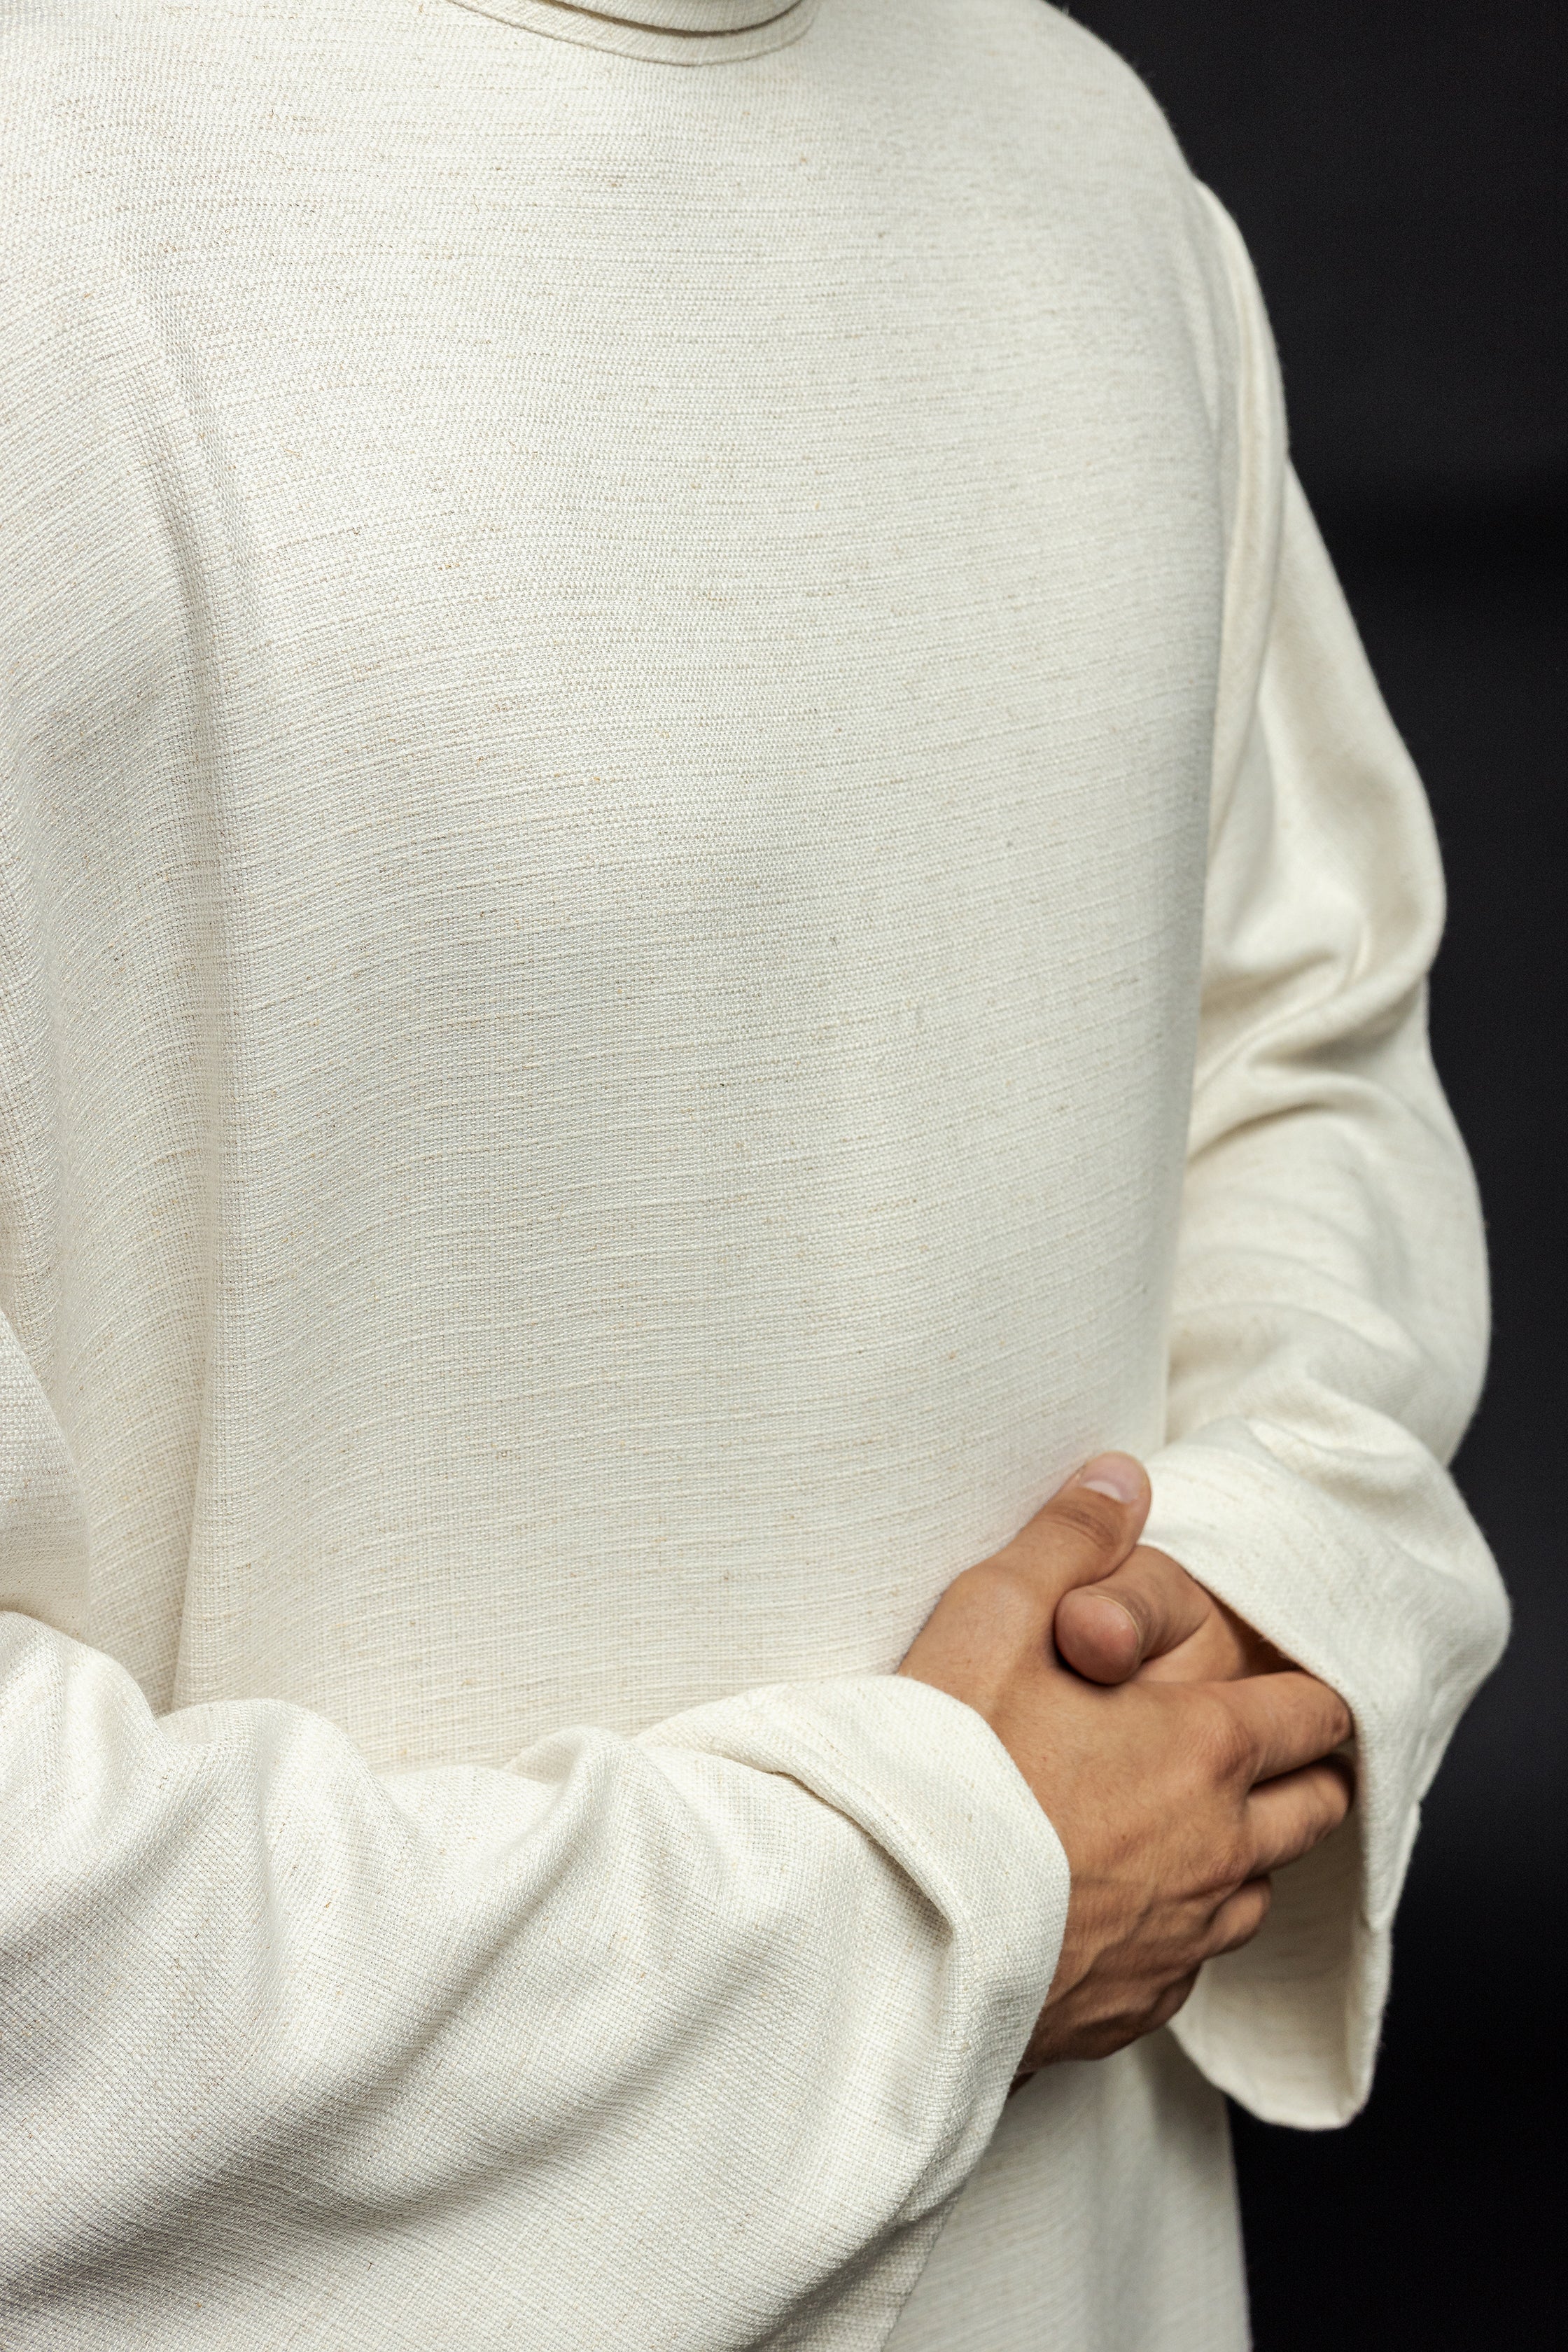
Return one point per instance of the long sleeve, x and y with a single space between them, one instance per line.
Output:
1329 1315
679 2039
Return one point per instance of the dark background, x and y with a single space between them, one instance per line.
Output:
1394 167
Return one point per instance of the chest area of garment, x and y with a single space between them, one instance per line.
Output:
626 584
710 735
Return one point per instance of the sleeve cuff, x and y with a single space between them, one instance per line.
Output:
1398 1612
928 1781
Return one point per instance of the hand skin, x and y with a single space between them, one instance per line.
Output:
1174 1798
1151 1618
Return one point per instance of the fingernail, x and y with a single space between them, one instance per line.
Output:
1114 1475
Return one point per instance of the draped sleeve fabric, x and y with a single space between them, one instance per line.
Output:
685 2037
1329 1315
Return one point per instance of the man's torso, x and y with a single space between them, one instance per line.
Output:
634 789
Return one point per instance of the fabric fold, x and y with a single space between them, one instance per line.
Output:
755 1984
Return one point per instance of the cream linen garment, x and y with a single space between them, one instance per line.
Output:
648 715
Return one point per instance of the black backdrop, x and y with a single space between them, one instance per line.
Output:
1395 170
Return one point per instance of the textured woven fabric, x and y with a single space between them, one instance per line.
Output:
650 721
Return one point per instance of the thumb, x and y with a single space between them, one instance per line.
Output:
1105 1631
1002 1607
1087 1527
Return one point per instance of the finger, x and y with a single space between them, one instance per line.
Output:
1144 1608
1287 1817
1087 1527
1239 1918
1170 2002
1224 1649
1284 1721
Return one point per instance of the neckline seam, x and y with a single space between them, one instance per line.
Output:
675 32
636 39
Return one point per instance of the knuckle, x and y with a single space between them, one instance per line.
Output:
1241 1857
1171 1997
1223 1742
1242 1917
1231 1864
1095 1518
999 1591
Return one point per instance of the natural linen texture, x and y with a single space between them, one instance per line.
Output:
648 715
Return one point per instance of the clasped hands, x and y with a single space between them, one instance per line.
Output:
1180 1758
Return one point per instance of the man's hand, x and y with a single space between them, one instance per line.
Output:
1174 1799
1150 1618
